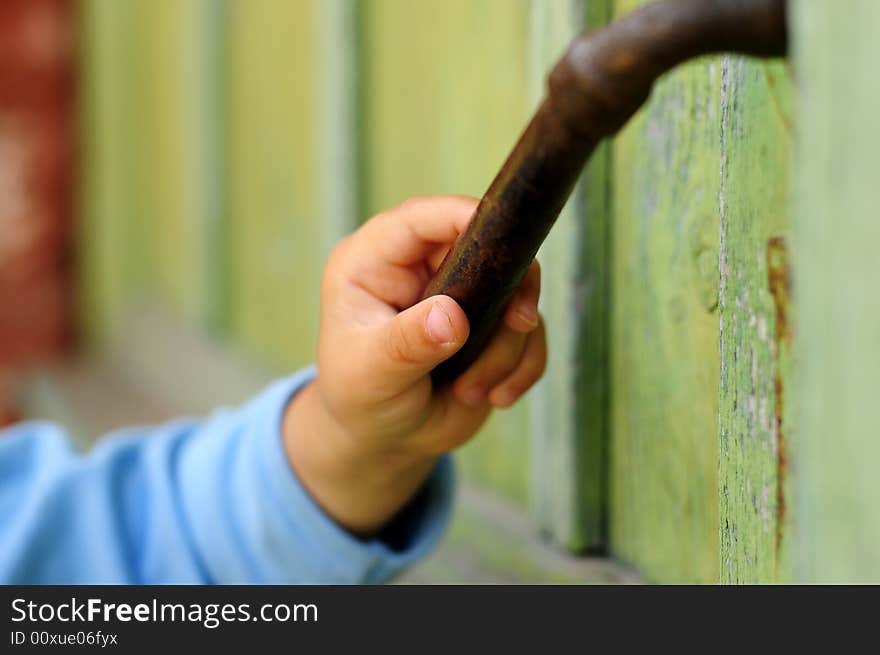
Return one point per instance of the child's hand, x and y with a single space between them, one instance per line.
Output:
364 436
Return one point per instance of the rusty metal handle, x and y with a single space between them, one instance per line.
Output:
593 91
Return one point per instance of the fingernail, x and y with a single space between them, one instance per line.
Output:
528 314
439 326
474 396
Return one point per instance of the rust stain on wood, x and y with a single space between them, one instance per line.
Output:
779 281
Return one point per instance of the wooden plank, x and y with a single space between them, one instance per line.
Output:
150 186
755 150
274 227
103 198
337 123
445 95
664 354
210 121
569 426
837 316
444 98
291 168
177 179
713 145
163 178
96 286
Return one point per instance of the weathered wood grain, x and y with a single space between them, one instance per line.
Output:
664 353
837 313
756 145
700 185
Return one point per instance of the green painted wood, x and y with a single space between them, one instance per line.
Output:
101 270
150 188
291 167
837 316
756 145
338 154
700 187
117 130
664 355
177 189
138 142
569 427
274 228
593 377
445 95
212 170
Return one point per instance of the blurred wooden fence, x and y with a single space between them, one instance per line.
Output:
227 144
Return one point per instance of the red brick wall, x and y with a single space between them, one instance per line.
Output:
36 90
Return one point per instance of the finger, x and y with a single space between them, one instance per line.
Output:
528 371
405 348
522 310
398 287
494 364
451 424
436 258
411 231
387 257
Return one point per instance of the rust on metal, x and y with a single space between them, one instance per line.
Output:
596 87
779 281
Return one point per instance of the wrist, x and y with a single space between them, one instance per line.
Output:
359 484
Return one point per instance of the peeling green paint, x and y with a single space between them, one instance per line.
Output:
753 205
700 185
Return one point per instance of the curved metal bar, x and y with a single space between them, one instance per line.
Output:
593 91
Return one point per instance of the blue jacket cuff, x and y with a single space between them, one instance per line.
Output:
339 556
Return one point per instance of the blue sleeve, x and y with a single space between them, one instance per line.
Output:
213 501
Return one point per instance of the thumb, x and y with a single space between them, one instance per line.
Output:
416 340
